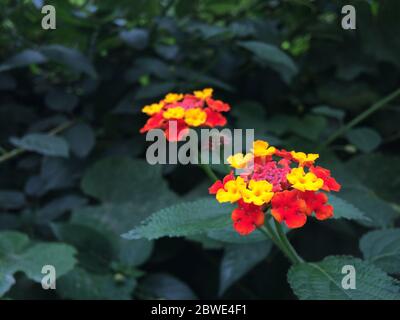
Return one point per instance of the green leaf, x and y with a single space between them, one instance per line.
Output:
239 259
10 199
95 251
43 144
113 219
273 57
183 219
81 139
136 38
328 111
81 285
344 209
23 59
380 213
309 127
323 281
382 248
366 139
17 253
60 100
374 169
229 235
121 179
165 286
72 58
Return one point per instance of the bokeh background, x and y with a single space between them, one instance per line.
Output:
72 169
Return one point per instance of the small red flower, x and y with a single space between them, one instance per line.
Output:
218 105
175 130
288 207
330 184
324 212
214 118
220 184
154 122
189 110
314 201
247 217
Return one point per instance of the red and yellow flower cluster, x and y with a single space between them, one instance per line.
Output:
287 182
184 111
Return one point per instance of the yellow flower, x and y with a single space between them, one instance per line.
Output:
204 94
239 161
173 97
232 191
152 108
195 117
261 148
304 181
303 158
258 192
174 113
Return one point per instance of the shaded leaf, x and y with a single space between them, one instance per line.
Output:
239 259
183 219
382 248
17 253
323 281
165 286
81 285
273 57
366 139
42 143
23 59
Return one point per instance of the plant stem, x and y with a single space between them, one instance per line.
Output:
208 171
286 243
267 230
376 106
17 151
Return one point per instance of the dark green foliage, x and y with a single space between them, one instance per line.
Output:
73 178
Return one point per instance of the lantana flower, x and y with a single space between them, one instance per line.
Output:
185 111
285 182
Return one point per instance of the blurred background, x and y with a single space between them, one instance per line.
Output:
70 102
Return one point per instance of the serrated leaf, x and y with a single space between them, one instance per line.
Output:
183 219
121 179
42 143
273 57
95 251
382 248
229 235
379 212
323 281
344 209
113 219
239 259
366 139
17 253
81 285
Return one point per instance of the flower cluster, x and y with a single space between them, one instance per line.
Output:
176 113
286 182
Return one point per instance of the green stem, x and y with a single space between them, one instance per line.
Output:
17 151
286 243
267 230
376 106
208 171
